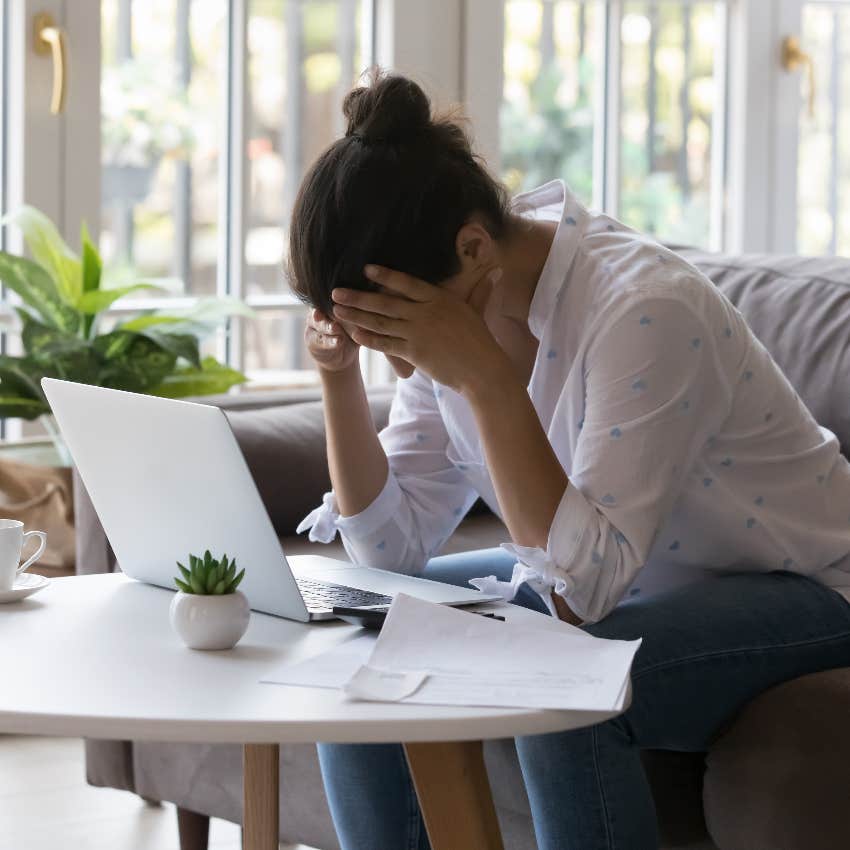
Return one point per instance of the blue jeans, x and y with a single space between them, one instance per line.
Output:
707 650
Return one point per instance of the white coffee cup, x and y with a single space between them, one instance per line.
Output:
12 537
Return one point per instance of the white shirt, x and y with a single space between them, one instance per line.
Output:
686 448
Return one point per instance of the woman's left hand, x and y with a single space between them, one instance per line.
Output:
430 327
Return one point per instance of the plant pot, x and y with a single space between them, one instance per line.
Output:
210 622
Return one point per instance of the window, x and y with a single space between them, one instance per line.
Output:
823 175
625 100
199 193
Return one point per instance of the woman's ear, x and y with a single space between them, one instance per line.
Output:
475 247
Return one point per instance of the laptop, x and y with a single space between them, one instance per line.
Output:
167 478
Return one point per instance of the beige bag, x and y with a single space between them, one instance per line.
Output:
41 497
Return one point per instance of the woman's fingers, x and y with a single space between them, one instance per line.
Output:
404 284
322 324
316 339
370 321
393 306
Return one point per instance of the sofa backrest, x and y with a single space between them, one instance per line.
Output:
284 447
799 307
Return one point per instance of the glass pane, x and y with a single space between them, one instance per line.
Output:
163 87
4 105
823 171
554 53
275 353
668 91
303 55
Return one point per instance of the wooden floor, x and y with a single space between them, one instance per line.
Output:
45 804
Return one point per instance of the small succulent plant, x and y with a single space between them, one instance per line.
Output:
208 576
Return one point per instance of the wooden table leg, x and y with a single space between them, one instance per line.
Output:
260 796
454 795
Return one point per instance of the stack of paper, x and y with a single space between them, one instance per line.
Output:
435 655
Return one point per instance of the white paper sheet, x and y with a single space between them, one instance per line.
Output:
476 661
435 655
330 669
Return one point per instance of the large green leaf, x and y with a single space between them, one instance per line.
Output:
38 291
213 377
133 362
25 408
92 270
92 264
49 250
201 319
16 381
180 345
20 376
58 353
98 300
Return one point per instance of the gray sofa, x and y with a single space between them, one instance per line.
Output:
775 779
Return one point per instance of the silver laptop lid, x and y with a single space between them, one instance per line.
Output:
167 478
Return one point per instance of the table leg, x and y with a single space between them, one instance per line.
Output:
260 796
454 794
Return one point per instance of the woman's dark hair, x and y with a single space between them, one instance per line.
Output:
394 191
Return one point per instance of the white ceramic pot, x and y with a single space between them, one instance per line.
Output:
210 622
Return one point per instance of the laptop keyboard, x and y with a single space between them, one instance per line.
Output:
320 595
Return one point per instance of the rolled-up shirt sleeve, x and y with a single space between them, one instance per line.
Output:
422 501
654 395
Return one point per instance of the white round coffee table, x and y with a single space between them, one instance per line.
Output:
95 656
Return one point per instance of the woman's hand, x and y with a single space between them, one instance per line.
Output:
328 343
427 326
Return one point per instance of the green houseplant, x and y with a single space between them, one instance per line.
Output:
64 297
208 612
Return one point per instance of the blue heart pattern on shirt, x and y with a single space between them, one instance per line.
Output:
608 499
616 433
382 545
551 354
570 220
674 546
751 521
696 342
596 558
759 500
727 332
639 385
727 461
645 320
420 438
707 482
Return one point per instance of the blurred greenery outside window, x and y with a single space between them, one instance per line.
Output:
823 160
167 107
555 78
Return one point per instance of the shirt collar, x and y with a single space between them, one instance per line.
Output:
553 201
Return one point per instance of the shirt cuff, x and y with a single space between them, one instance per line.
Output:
545 570
324 521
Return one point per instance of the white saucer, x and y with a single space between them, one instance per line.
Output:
25 585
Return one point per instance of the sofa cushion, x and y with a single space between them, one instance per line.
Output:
779 777
285 450
799 308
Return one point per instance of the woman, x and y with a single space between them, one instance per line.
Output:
658 475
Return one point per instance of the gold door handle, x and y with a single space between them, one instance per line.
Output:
794 57
48 39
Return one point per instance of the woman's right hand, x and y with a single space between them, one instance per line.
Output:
328 343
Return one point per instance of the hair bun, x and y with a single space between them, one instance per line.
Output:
390 109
